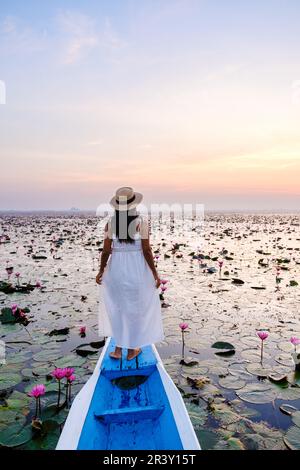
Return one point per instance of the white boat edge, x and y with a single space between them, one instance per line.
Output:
183 422
71 432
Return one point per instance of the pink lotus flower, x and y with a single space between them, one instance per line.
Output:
69 372
37 391
18 274
163 288
38 284
14 308
262 335
82 330
22 314
59 373
183 326
295 341
164 281
71 378
220 263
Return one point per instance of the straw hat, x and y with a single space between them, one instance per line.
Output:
126 198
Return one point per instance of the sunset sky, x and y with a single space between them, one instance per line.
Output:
186 100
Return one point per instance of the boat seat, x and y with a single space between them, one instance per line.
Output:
122 415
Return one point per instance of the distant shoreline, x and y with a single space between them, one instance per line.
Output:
45 212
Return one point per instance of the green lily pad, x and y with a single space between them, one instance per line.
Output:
232 382
256 393
48 439
15 435
51 413
9 380
259 370
296 418
289 393
9 416
70 360
287 409
50 386
18 358
235 444
223 345
198 414
207 439
45 355
292 438
18 400
223 413
7 316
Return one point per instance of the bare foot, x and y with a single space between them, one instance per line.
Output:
132 353
117 353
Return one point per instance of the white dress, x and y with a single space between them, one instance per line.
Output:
131 311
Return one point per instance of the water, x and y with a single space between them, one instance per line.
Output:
236 405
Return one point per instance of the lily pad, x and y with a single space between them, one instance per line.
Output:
296 418
44 356
232 382
257 393
198 414
15 435
9 380
292 438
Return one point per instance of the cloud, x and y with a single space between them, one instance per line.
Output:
17 37
83 34
80 32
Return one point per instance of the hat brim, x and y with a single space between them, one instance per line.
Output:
138 197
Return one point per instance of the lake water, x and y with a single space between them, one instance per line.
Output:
234 400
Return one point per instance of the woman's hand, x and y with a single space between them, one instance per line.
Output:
157 281
99 278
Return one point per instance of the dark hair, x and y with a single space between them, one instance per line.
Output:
124 225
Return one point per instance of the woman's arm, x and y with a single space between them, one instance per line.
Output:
104 256
147 251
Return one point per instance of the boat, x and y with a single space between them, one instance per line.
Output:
128 405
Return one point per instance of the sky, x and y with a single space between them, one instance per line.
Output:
191 101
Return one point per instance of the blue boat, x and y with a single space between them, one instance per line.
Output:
128 405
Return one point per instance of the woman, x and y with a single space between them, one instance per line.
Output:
129 278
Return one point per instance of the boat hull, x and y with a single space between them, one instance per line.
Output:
128 405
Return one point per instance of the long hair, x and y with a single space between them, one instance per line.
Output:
124 225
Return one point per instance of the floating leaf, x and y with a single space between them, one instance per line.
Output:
7 316
256 393
44 356
259 370
287 409
222 345
207 439
61 331
70 360
232 382
198 383
292 438
198 414
15 435
296 418
235 444
51 413
9 380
